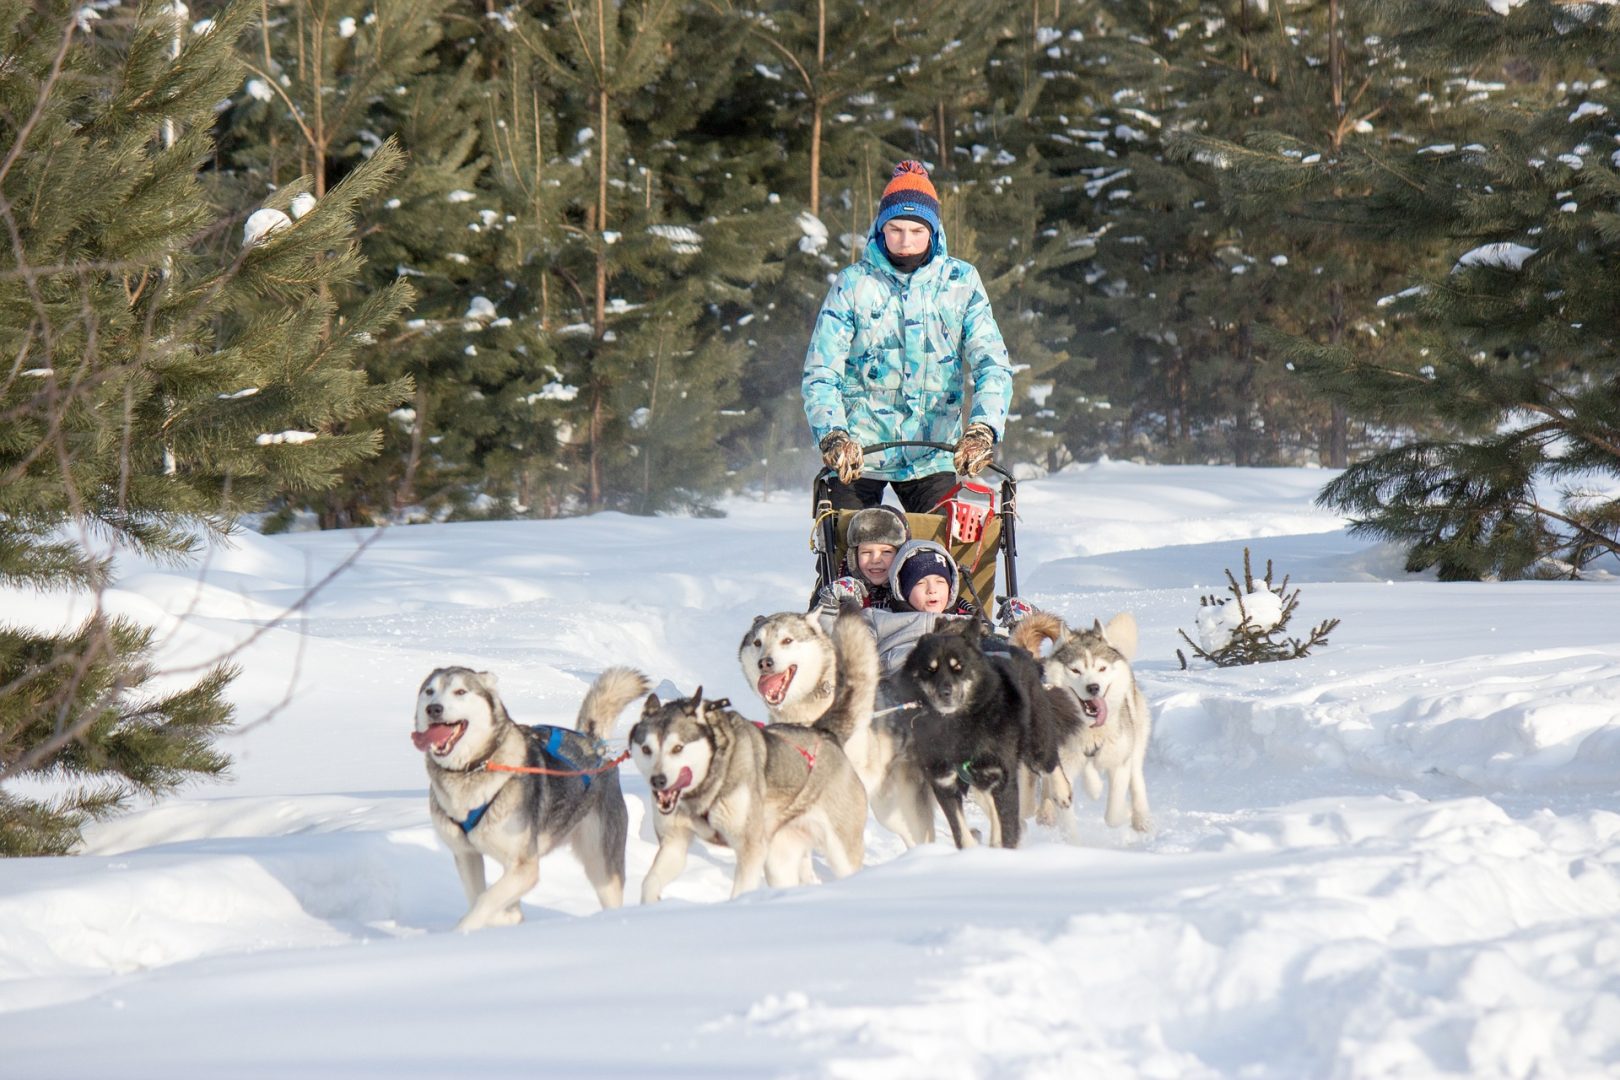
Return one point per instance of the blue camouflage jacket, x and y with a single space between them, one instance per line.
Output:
885 359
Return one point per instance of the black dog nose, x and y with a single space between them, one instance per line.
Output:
435 710
766 663
1094 689
657 780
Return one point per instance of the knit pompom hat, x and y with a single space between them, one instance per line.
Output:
876 525
910 195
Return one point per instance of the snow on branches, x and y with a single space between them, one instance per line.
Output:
1245 628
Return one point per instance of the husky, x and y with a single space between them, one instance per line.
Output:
771 794
808 675
985 716
1094 667
464 731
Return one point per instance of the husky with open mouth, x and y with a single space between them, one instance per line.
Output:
1094 666
771 794
808 672
467 737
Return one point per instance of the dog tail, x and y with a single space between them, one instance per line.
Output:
856 688
1036 627
1122 634
605 700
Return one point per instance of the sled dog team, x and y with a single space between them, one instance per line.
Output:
967 715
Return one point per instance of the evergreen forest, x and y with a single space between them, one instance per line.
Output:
336 263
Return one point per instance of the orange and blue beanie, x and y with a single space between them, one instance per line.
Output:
909 195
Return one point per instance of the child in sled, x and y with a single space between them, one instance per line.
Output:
923 580
872 538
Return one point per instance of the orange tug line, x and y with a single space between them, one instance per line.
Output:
536 770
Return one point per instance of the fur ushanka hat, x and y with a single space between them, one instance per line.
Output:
877 525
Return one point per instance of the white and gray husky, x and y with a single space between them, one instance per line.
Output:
1095 666
808 675
771 794
464 731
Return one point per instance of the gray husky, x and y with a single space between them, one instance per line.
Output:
771 794
1095 667
807 675
464 731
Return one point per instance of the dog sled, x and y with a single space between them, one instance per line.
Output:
974 522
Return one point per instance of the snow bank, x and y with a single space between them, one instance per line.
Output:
1399 856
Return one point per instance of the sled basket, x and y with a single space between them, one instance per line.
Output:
973 522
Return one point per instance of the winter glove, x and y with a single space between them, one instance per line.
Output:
1014 610
843 453
976 450
841 589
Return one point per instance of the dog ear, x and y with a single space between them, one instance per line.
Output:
486 679
652 705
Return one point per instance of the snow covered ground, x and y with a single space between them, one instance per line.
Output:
1397 857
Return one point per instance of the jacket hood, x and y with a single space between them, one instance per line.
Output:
909 550
874 253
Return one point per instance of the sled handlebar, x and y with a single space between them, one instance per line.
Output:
878 448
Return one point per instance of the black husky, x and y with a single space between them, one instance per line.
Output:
982 713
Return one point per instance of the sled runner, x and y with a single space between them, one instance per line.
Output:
974 521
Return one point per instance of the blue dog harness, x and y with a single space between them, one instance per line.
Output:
553 747
475 817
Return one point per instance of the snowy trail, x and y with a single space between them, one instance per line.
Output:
1399 856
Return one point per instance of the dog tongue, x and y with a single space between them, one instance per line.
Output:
1102 711
773 688
682 780
436 733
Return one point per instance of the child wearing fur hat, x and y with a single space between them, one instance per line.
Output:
886 359
923 580
872 537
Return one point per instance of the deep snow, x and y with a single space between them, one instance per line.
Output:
1397 857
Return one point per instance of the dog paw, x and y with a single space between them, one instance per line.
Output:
1047 814
1141 823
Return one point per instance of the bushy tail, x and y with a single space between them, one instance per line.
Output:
1121 634
856 687
605 700
1035 628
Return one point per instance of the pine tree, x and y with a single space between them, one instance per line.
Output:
330 81
1514 348
141 407
1006 214
1150 105
656 255
1159 310
1331 87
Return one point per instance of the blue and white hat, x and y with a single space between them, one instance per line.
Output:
916 560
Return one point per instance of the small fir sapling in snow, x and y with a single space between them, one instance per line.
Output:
1246 628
